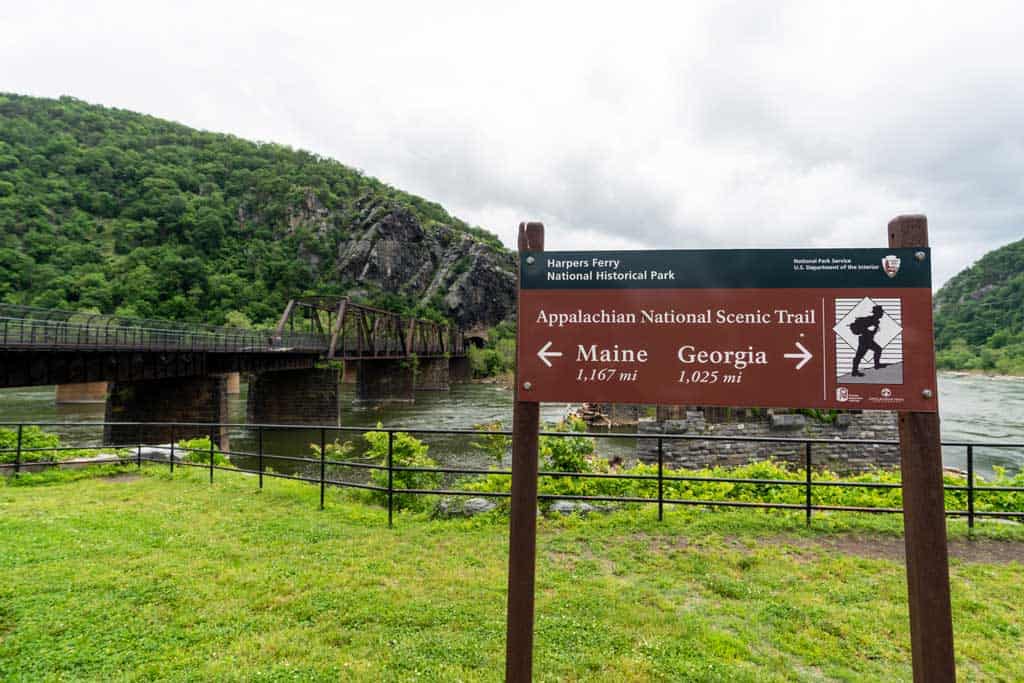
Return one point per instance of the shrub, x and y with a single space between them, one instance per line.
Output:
495 446
761 492
338 450
407 451
567 453
34 437
31 437
485 362
198 450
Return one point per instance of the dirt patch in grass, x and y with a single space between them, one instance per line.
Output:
891 548
123 478
879 547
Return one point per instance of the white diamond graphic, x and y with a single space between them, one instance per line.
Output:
888 329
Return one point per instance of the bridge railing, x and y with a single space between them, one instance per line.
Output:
29 327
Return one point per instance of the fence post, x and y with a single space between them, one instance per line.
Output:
391 473
212 430
807 486
259 452
661 491
17 453
171 458
323 451
138 446
970 487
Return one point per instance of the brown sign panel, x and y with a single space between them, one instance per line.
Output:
632 327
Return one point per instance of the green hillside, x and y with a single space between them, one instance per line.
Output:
979 314
115 211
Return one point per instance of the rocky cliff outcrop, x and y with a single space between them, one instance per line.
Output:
387 248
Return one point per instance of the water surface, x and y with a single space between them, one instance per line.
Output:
973 408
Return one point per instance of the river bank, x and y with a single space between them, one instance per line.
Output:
982 373
973 408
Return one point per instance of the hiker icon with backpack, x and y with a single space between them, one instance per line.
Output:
866 328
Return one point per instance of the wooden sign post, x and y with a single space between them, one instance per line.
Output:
809 328
924 517
522 535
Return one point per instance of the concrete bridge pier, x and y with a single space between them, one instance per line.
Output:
305 396
180 399
460 370
348 374
385 381
433 374
82 392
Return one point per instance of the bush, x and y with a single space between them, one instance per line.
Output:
485 362
498 356
34 437
338 450
31 437
198 450
407 451
567 453
761 492
495 446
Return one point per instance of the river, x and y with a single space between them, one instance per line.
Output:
973 408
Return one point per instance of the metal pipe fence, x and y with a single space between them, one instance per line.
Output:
808 483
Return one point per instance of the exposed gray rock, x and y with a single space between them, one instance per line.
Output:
836 453
581 507
309 213
676 426
389 247
788 421
383 246
463 507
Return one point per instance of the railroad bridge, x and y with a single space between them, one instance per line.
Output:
160 370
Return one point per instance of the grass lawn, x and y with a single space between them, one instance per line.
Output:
153 577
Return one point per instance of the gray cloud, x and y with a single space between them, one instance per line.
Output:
703 125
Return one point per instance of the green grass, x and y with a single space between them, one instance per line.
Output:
171 578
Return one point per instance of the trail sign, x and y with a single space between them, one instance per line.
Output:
815 328
604 326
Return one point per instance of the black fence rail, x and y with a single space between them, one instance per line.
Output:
327 434
37 328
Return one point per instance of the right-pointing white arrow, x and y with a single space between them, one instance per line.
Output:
544 354
804 356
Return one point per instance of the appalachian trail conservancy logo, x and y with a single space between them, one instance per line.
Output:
891 265
869 340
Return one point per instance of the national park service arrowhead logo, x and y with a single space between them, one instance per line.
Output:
891 265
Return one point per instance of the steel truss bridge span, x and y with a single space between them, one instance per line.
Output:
44 346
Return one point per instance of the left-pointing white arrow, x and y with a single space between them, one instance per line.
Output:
544 354
804 356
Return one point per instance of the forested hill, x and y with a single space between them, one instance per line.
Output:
114 211
979 314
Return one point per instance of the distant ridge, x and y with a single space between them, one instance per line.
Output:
979 314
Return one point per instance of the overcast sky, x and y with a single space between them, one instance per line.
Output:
669 125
